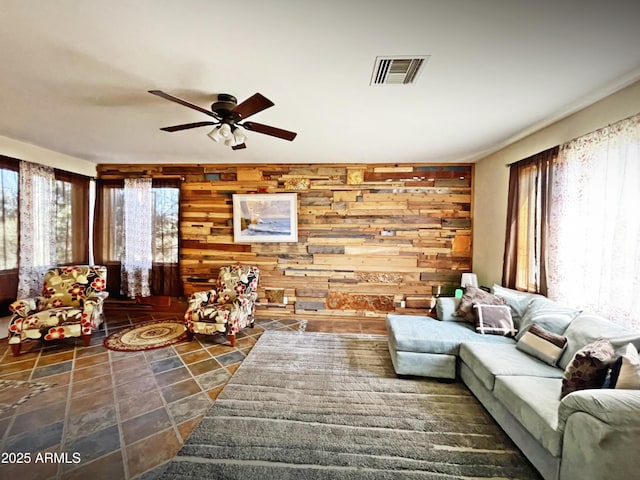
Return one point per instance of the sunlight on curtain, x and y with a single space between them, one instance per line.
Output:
112 229
527 276
137 245
594 244
37 250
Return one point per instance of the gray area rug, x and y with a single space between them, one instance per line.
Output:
326 406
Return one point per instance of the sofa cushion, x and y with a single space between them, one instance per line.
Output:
416 333
435 365
446 308
587 328
547 314
490 360
534 402
589 367
542 344
516 300
625 373
494 320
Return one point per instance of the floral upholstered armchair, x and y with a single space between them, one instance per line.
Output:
229 307
71 305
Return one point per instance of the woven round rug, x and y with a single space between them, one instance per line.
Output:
146 336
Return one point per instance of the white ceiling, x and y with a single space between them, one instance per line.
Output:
75 74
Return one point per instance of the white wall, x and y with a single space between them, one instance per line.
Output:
31 153
491 176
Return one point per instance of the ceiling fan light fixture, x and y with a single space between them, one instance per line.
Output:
225 131
238 136
215 134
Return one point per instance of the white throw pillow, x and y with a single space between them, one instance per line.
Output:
625 373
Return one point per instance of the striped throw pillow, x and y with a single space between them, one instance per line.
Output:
542 344
494 320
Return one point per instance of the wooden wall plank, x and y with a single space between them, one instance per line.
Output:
370 236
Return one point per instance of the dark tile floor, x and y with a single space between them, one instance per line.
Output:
122 415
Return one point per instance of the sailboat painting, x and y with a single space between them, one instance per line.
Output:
269 217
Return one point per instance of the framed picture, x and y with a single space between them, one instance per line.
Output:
265 217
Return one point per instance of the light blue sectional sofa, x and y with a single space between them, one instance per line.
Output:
589 434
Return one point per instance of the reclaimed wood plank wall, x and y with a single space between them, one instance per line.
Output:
373 239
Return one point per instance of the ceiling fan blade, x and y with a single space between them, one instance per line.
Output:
254 104
239 147
186 126
269 130
171 98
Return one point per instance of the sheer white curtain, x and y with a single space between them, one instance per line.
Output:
137 252
37 240
594 232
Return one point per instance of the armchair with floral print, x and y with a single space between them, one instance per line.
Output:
71 305
229 307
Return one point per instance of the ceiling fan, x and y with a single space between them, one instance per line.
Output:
229 116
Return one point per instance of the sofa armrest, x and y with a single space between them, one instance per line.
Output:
610 406
600 431
96 298
24 307
197 300
446 307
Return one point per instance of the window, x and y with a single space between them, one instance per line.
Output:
44 220
527 218
165 224
109 237
8 219
594 236
72 218
8 232
109 247
528 231
572 228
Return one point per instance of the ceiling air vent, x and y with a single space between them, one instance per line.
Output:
397 70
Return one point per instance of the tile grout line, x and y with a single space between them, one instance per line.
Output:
165 405
67 412
70 401
13 416
123 445
174 424
123 448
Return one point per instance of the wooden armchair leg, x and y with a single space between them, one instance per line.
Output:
86 340
15 349
232 339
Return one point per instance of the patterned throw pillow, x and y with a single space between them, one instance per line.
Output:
542 344
589 367
625 373
494 320
473 295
